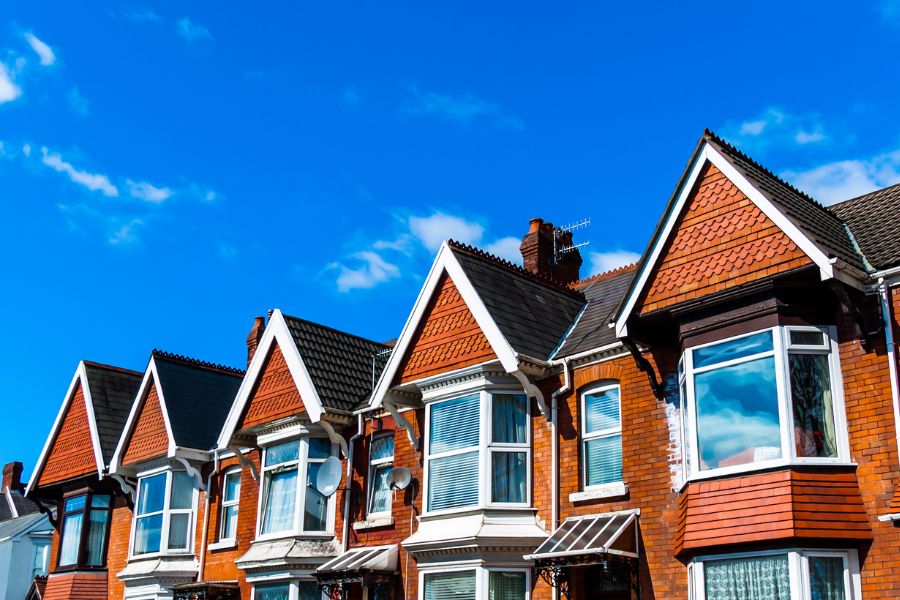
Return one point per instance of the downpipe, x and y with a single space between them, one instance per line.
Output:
891 350
204 535
348 487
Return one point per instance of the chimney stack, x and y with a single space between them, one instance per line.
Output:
255 335
12 476
537 253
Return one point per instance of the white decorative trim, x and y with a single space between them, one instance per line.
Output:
373 523
402 422
890 517
223 544
335 437
615 490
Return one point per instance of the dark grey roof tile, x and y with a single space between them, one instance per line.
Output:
112 393
873 219
604 292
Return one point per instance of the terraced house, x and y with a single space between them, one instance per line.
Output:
716 422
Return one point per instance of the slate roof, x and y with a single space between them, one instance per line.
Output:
340 364
16 526
198 396
603 292
112 393
24 506
874 219
533 314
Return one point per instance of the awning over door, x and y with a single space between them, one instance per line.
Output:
610 533
370 566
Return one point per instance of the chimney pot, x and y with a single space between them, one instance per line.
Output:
12 476
537 253
255 336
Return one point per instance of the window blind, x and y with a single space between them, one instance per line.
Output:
601 410
450 586
603 460
455 424
506 586
453 481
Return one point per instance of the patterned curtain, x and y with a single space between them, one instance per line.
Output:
753 578
826 578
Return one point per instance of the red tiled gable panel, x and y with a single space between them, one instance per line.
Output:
448 337
76 586
276 395
722 240
149 439
72 453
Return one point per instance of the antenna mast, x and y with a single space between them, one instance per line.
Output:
558 248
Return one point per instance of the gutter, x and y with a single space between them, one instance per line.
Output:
351 444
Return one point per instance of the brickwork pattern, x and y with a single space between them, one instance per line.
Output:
275 396
76 586
72 453
119 540
149 439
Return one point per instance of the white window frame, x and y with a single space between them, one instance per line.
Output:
373 466
482 576
234 471
485 448
798 566
595 435
780 351
293 586
167 516
302 462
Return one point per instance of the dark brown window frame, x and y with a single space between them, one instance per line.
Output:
81 563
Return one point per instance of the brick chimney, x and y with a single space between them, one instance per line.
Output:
12 476
537 253
255 335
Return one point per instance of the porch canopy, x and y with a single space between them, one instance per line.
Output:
375 565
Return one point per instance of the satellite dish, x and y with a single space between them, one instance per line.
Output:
329 476
399 478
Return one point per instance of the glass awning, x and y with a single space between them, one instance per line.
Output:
367 559
610 533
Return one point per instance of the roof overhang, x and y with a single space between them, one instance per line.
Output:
590 536
356 563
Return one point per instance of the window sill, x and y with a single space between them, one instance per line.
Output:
373 523
285 535
223 544
615 490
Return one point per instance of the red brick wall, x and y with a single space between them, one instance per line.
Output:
149 438
76 586
722 240
448 337
275 396
119 539
72 453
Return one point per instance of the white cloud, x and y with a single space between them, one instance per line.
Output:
463 108
9 91
400 244
77 102
44 52
602 262
776 127
192 31
92 181
506 248
373 271
433 230
147 191
125 234
845 179
26 150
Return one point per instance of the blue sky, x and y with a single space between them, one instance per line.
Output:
170 170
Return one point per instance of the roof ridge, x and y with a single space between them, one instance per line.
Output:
111 368
334 329
605 275
196 362
510 266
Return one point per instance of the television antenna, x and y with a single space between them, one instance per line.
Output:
559 248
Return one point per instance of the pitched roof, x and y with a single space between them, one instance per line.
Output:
873 219
24 506
532 313
112 392
343 367
19 525
197 397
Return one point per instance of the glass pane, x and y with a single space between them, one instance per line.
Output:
506 586
601 410
147 533
75 503
182 490
315 510
733 349
232 486
152 494
99 501
454 424
826 578
754 578
319 447
382 448
281 495
380 498
509 418
179 523
814 433
450 586
737 414
278 591
229 522
808 338
309 590
603 460
96 538
280 453
508 478
453 481
71 539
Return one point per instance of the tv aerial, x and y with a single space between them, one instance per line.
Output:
329 476
559 246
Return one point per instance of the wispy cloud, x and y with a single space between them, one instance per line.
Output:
373 270
776 127
463 108
506 248
9 91
77 102
147 191
92 181
44 52
844 179
613 259
434 229
126 233
139 15
192 31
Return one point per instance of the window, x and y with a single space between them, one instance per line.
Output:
478 451
450 586
83 544
785 575
41 560
290 502
296 590
381 463
761 398
163 513
231 494
601 436
471 584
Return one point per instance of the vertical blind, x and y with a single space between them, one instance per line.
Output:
506 585
450 586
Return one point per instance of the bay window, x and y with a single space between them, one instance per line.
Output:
476 583
288 590
230 498
84 531
762 398
381 463
289 500
478 451
776 575
163 514
601 438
